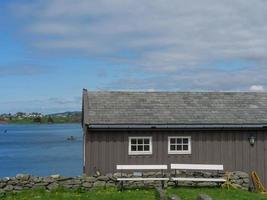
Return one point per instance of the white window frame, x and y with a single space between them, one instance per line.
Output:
130 152
179 151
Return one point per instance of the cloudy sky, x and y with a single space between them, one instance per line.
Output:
50 50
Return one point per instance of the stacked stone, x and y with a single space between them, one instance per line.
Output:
239 179
24 181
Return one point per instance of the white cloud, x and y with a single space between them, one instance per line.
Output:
181 38
257 88
181 32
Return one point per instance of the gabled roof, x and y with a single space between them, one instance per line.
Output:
174 108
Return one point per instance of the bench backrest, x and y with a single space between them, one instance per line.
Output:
196 167
142 167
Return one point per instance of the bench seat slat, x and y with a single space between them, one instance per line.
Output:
196 167
142 167
142 179
199 179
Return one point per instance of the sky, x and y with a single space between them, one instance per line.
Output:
50 50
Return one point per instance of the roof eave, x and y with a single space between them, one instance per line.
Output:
173 126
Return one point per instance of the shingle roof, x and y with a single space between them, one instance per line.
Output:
175 108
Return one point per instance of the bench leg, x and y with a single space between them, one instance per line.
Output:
121 186
176 183
162 184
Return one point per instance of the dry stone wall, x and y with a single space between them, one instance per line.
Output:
24 181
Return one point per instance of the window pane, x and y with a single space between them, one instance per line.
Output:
185 147
179 141
133 141
140 148
140 141
133 148
185 140
179 147
146 147
172 141
172 147
146 141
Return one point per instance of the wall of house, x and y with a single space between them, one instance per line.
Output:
107 148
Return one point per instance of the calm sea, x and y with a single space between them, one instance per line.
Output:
40 149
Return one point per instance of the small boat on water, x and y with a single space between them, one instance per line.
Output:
71 138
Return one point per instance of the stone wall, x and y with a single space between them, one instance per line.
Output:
24 181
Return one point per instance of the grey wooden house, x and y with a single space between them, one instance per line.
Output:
175 127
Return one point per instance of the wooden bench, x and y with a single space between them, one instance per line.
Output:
198 167
142 168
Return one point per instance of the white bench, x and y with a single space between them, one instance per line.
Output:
142 168
197 167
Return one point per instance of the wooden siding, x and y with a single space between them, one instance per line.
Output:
107 148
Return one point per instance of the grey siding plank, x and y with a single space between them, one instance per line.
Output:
265 159
106 149
260 154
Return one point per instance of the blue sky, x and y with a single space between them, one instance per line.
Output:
50 50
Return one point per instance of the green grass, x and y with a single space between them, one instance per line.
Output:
114 194
107 194
215 193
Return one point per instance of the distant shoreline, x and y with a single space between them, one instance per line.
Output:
31 122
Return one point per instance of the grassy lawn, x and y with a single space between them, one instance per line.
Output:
114 194
216 194
108 194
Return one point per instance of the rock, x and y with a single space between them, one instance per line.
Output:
2 184
110 184
52 186
87 185
62 178
111 177
74 181
207 184
207 174
48 179
5 179
239 181
76 186
246 180
90 179
102 178
241 174
40 184
237 186
171 183
17 188
173 197
148 174
203 197
67 186
29 185
234 177
2 191
23 177
36 179
99 184
117 175
97 173
8 188
55 176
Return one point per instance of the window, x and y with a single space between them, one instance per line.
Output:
179 145
140 145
